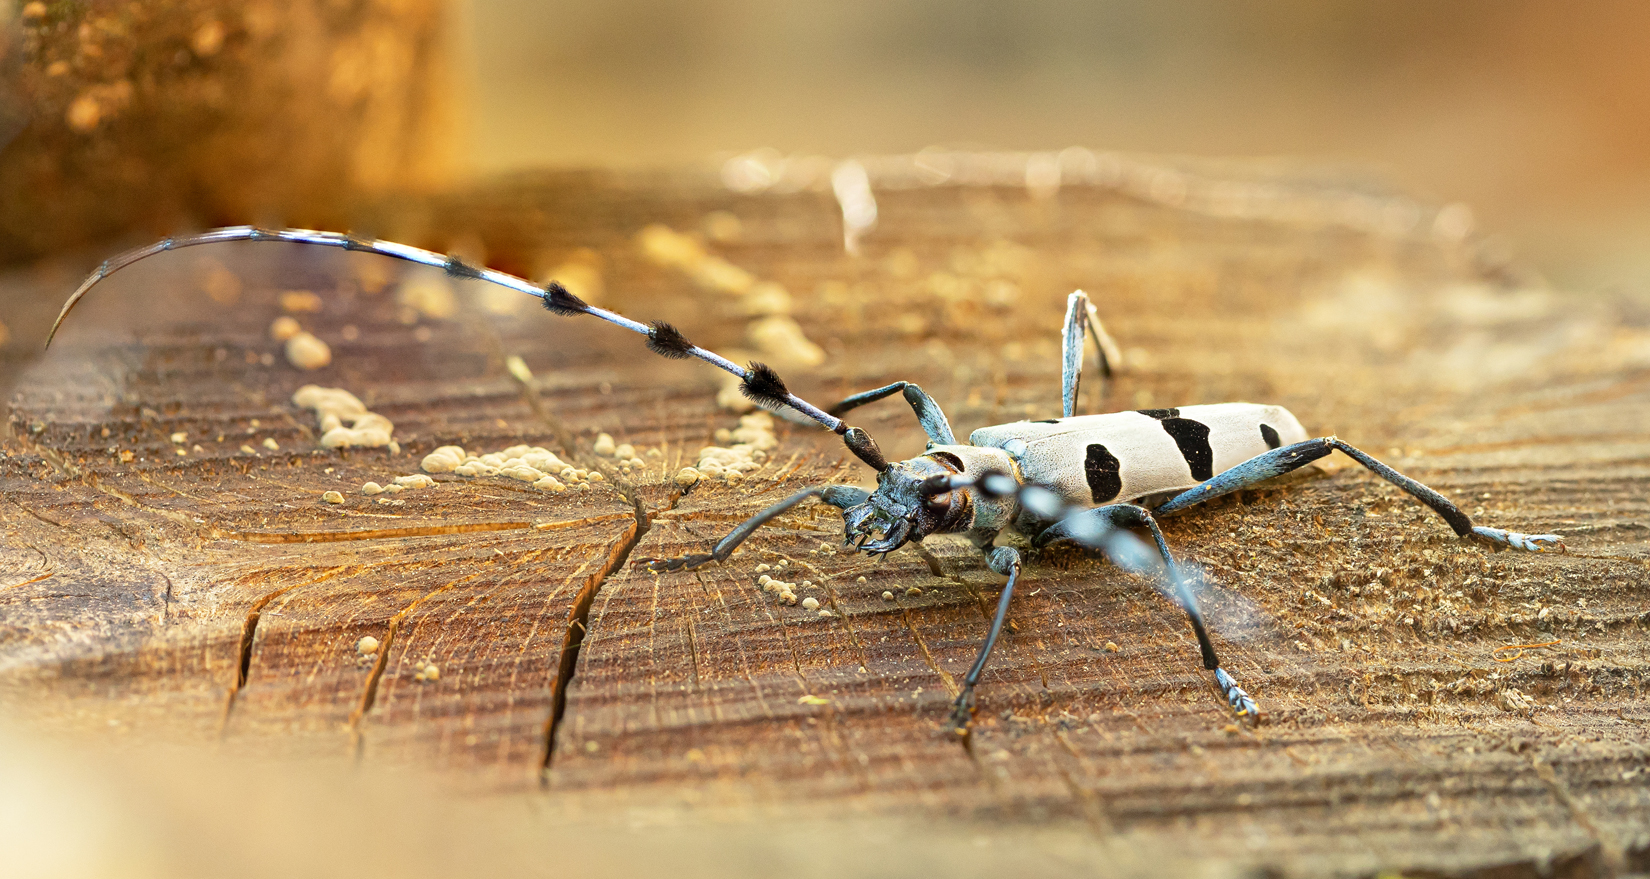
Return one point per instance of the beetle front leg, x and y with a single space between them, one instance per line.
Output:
840 496
929 413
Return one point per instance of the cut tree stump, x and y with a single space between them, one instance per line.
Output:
169 565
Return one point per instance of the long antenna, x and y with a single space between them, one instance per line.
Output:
758 381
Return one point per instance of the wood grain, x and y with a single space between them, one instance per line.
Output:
212 595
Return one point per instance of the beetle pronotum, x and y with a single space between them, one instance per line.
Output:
1081 478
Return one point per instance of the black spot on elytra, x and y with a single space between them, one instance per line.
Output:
1193 439
1159 414
1047 421
1270 435
1104 474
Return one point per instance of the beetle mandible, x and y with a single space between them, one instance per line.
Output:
1087 479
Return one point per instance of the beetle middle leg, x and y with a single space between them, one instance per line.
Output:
1101 528
840 496
1003 560
1280 461
1090 527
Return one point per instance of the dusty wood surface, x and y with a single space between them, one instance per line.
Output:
202 592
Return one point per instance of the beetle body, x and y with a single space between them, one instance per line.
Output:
1085 460
1128 456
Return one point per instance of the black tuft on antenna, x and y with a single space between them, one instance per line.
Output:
558 300
764 387
458 268
667 341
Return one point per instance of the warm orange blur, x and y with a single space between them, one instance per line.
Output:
1535 113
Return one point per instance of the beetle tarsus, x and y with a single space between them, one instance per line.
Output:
1526 542
962 711
1243 706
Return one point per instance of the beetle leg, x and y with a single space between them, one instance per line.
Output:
839 496
929 413
1081 320
1098 528
1004 560
1280 461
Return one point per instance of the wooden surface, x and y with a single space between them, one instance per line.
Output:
122 115
213 596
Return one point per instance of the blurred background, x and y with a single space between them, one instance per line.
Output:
1537 114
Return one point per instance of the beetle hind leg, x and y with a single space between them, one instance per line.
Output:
1526 542
1242 705
1280 461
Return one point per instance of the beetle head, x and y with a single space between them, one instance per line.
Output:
898 512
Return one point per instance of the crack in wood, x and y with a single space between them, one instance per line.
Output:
577 626
693 657
750 677
56 459
1094 809
927 657
40 516
276 537
165 598
44 576
933 561
847 623
369 692
790 647
92 481
164 487
530 394
249 631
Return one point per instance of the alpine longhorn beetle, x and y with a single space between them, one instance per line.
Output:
1082 478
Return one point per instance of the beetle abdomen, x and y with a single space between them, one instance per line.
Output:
1124 456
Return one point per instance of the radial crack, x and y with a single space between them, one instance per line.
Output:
369 693
249 633
922 646
370 533
578 622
